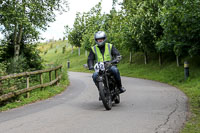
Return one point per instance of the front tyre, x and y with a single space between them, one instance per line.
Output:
117 99
105 96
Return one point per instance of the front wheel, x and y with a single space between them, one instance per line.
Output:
117 99
105 96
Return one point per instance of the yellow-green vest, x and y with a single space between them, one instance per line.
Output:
107 53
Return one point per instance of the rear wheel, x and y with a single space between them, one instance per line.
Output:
105 96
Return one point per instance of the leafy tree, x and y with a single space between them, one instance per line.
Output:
29 58
25 18
129 40
180 21
67 31
20 23
147 28
94 21
85 25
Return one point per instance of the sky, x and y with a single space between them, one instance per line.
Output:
56 29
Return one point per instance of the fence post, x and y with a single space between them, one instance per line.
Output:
27 85
50 78
63 50
68 63
186 70
60 73
41 80
28 88
56 75
60 69
1 90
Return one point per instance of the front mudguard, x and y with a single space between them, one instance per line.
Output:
100 79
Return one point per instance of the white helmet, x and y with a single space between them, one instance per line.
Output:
100 35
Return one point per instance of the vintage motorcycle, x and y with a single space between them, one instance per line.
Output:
107 86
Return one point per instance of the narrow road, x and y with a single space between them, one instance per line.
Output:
146 107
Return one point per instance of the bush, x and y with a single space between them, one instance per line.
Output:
2 69
17 65
29 59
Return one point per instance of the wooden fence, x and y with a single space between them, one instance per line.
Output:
28 88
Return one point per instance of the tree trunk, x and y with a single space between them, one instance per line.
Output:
15 40
130 60
79 51
72 49
177 61
160 59
18 35
66 44
15 35
145 58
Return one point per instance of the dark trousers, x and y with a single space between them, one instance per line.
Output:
114 70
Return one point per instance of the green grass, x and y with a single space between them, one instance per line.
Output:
167 73
36 95
52 59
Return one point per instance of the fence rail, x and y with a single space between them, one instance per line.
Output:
14 93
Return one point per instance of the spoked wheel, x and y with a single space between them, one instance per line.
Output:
105 96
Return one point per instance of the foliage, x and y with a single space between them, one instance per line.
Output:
158 26
85 25
2 69
16 65
180 21
20 22
28 60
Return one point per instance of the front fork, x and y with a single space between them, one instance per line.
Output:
104 79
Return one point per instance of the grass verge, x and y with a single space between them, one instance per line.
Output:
35 95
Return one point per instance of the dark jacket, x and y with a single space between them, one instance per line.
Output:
91 57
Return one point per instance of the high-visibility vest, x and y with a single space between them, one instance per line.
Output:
107 53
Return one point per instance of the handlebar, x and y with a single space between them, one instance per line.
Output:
109 63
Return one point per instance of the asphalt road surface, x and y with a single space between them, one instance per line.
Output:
146 107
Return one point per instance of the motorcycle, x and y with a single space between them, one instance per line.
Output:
108 90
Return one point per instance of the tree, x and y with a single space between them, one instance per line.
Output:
129 41
24 18
67 31
93 22
180 21
85 25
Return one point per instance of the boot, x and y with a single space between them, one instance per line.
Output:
119 86
122 89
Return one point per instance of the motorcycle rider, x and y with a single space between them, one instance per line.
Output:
103 51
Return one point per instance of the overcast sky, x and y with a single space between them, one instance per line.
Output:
56 28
